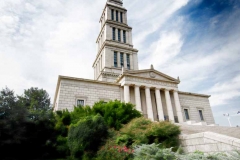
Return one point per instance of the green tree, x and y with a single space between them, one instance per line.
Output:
87 135
12 121
116 113
37 102
41 134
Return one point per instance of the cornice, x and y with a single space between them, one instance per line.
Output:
121 76
106 44
129 73
194 94
114 23
112 5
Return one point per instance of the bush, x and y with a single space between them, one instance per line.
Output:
111 151
80 112
153 152
143 131
116 113
87 135
231 155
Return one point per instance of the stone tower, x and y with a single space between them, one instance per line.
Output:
114 44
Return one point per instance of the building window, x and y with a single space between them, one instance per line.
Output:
128 61
121 60
186 114
124 36
112 14
119 35
113 33
116 15
80 102
115 59
201 115
121 17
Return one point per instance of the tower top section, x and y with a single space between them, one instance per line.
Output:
118 2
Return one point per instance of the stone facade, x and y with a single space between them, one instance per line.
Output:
116 76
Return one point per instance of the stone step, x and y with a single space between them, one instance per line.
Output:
228 131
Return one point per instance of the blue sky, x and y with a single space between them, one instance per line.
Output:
197 40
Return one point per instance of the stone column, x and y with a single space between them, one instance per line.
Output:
178 106
149 103
138 98
169 105
126 94
159 105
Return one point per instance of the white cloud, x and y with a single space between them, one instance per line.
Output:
167 47
151 16
222 92
43 39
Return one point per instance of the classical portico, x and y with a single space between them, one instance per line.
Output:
155 94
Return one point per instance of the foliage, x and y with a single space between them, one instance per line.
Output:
12 119
37 102
111 151
116 113
87 135
153 152
80 112
231 155
20 133
143 131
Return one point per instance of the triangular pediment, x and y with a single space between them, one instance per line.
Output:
151 74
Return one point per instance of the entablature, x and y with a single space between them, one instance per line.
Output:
147 82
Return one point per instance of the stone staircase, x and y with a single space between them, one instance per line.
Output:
209 138
193 129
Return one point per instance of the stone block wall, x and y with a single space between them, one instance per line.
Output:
71 90
194 103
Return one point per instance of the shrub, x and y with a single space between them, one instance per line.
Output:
111 151
143 131
153 152
231 155
87 135
80 112
116 113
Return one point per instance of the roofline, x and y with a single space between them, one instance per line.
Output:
128 73
194 94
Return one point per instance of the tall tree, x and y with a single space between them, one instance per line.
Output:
12 120
37 102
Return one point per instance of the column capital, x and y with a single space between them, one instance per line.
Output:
147 87
157 88
137 85
175 90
